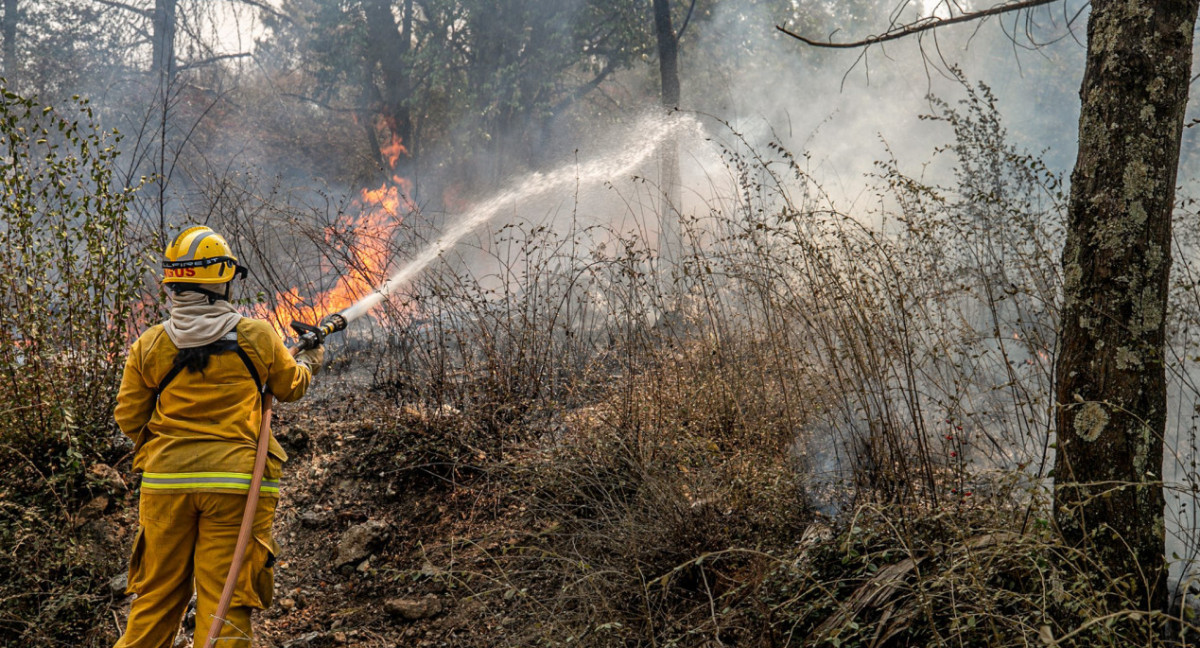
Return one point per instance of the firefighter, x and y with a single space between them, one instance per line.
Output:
191 398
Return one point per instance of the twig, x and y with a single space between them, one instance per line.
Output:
210 60
919 26
144 13
687 20
62 505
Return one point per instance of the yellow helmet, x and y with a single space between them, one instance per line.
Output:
200 256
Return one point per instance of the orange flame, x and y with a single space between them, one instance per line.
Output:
360 244
395 146
393 150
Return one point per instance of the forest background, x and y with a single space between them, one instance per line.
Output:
793 386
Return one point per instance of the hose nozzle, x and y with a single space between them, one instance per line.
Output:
314 336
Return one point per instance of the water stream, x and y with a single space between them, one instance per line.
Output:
638 146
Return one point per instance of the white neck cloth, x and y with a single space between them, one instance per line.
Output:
195 322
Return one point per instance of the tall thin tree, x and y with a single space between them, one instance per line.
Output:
162 62
670 227
10 40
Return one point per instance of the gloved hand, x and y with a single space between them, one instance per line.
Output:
311 358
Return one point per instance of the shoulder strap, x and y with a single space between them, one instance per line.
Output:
167 379
227 342
249 367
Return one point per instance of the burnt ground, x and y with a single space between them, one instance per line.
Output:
419 500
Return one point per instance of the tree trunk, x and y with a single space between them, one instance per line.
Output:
408 130
389 47
1111 383
10 41
670 227
668 53
162 64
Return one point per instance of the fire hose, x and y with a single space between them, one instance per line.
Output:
310 337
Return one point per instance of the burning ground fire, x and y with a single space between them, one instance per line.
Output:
361 241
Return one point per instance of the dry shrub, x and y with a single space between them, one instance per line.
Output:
967 575
647 511
895 375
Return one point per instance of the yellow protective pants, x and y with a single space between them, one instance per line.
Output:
186 540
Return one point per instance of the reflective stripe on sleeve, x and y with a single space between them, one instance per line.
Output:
229 481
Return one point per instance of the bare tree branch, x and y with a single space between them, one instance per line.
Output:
582 90
686 20
267 8
923 25
144 13
210 60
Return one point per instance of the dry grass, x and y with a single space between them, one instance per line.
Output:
809 428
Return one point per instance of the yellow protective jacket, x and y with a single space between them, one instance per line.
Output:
200 434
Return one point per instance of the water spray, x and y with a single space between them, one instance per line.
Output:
648 135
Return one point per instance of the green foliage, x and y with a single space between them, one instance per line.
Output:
70 285
71 289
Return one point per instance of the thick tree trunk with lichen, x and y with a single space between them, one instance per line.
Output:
1111 388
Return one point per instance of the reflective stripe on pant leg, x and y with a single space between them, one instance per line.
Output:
220 521
161 574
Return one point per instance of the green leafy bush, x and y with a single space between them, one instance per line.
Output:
71 286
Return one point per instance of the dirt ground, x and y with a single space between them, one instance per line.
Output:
422 507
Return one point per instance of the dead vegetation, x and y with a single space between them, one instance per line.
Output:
810 430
